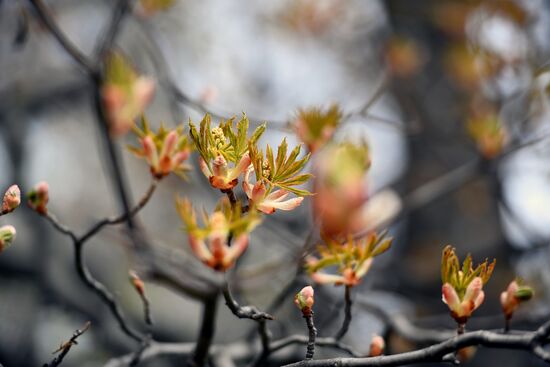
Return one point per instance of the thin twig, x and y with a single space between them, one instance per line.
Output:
347 314
83 271
61 227
243 312
123 217
45 16
66 346
312 331
122 8
103 292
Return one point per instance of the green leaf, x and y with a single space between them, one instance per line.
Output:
296 180
281 155
295 190
383 247
258 132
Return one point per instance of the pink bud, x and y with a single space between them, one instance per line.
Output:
150 150
304 300
38 197
169 144
377 346
513 296
12 199
7 236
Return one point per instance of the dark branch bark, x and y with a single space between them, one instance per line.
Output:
104 294
436 353
206 334
347 314
66 347
312 331
243 312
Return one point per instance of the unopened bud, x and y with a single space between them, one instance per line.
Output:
38 197
377 346
7 236
524 293
137 282
466 354
304 300
513 296
12 199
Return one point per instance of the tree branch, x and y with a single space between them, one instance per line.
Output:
243 312
206 334
436 353
347 314
45 16
104 294
66 347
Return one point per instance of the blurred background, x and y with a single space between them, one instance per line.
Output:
429 85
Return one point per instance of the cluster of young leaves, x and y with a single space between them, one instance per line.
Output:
460 277
281 171
237 223
183 144
230 142
316 118
352 258
315 126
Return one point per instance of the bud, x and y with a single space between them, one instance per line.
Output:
466 354
12 199
377 346
38 197
513 296
462 289
7 236
137 282
304 300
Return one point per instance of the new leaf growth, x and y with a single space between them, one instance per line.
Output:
462 287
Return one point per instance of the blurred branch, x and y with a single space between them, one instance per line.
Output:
66 347
45 16
206 334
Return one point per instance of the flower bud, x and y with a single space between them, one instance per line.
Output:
304 300
12 199
38 197
464 355
377 346
513 296
7 236
137 282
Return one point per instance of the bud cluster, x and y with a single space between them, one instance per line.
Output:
211 242
462 289
351 260
38 197
165 151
